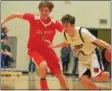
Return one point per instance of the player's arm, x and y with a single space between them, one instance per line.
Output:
102 43
12 16
62 44
59 26
88 37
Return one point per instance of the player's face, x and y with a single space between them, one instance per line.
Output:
67 26
44 11
5 41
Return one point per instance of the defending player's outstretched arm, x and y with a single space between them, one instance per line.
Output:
12 16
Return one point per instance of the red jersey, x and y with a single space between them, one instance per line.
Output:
40 30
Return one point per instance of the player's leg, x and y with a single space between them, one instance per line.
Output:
55 67
42 68
62 80
56 70
103 76
85 80
84 76
97 69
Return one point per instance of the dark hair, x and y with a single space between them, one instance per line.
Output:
68 19
3 28
46 3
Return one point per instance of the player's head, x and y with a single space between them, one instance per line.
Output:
68 22
45 7
5 29
5 40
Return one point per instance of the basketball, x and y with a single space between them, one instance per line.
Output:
108 55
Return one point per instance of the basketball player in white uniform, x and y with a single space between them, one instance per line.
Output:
85 44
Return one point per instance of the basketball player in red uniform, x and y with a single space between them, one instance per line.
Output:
42 31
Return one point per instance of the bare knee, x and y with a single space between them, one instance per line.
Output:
43 65
42 69
84 80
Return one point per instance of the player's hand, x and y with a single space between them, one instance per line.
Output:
48 42
52 46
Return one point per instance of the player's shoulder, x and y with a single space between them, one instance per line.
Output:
28 13
55 20
36 16
83 29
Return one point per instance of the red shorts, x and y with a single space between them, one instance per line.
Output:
45 53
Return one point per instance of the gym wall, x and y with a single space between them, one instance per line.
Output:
87 14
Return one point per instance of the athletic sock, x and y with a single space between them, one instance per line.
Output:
43 84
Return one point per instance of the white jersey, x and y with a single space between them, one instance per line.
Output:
84 48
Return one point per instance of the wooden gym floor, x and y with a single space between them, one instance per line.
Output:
31 82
